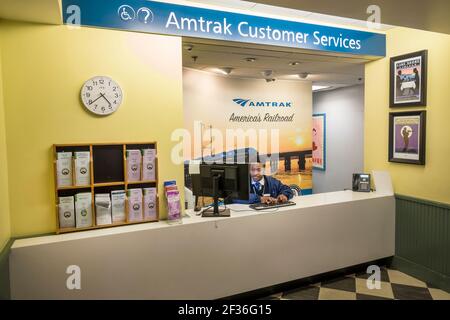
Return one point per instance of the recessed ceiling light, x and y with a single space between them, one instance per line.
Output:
250 59
303 75
294 63
267 73
224 70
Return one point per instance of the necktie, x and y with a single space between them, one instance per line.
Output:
258 187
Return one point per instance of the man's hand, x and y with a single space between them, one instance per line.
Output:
268 200
282 198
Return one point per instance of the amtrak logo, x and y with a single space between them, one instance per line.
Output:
252 103
241 102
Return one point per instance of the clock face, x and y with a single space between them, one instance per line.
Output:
101 95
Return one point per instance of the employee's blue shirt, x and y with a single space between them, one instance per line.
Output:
272 186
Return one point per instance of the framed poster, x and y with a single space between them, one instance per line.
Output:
407 137
319 141
408 80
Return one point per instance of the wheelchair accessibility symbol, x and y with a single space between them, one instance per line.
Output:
126 13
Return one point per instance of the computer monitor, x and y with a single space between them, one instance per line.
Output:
227 181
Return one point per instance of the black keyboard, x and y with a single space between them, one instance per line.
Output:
263 206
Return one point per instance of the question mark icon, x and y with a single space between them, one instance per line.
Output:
145 15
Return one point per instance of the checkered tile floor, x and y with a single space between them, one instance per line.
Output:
394 285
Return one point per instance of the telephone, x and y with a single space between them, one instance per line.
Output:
361 182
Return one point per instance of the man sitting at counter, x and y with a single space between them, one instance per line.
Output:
266 189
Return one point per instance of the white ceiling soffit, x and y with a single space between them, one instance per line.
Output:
39 11
322 70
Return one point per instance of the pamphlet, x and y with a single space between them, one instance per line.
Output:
134 158
64 169
134 204
82 162
83 210
118 205
66 208
173 206
148 164
170 182
170 188
103 209
149 203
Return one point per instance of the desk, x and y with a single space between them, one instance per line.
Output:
208 258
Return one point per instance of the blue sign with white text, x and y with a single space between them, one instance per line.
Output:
180 20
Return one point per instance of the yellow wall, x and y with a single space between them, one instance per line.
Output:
431 181
5 231
44 68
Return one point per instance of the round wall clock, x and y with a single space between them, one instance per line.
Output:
101 95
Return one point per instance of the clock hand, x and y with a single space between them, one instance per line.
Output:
96 99
105 98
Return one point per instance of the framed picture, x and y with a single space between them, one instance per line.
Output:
407 131
319 141
408 80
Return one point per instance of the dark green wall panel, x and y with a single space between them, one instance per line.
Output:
422 235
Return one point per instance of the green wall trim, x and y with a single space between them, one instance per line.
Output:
422 240
4 271
423 201
420 272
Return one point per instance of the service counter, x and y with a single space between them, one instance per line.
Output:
208 258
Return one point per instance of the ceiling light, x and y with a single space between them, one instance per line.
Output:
294 63
250 59
224 70
317 87
267 73
303 75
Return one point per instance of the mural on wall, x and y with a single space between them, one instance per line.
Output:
319 141
247 120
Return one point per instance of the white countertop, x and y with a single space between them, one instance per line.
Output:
237 211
